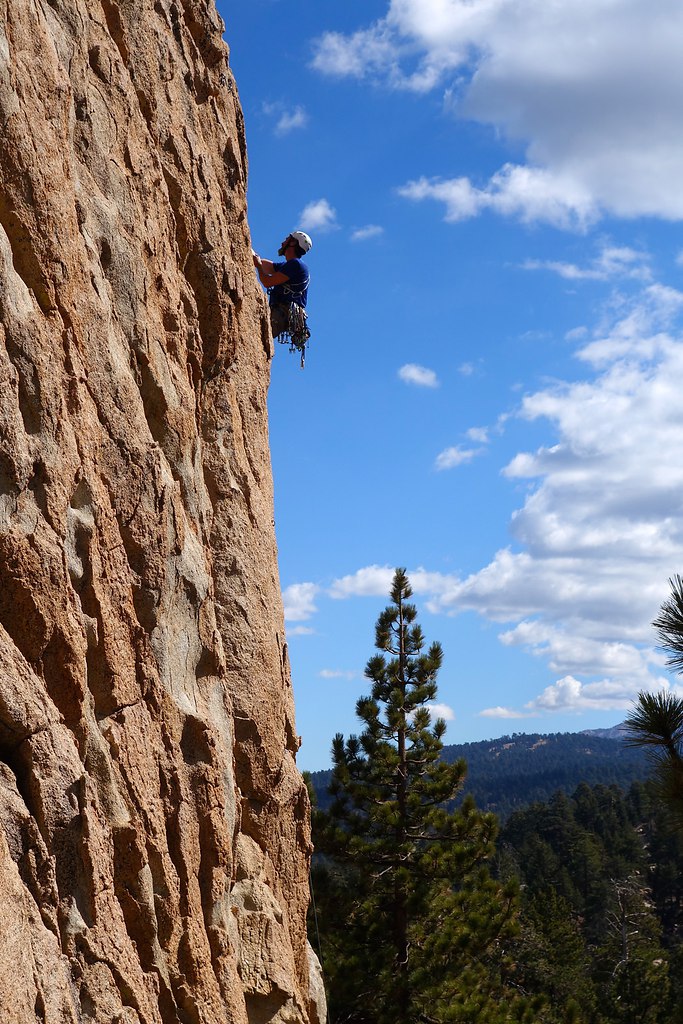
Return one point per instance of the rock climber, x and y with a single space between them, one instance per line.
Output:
287 284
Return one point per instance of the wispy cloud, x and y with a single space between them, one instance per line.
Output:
577 333
358 55
318 215
364 233
455 456
611 262
336 673
478 434
289 121
600 123
286 119
421 376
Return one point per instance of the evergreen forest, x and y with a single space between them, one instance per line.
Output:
600 905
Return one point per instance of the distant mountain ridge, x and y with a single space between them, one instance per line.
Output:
617 732
512 772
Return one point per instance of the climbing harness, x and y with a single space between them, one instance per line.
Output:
296 332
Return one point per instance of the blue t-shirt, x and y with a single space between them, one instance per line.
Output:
296 289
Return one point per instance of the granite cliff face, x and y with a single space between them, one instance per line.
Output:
154 842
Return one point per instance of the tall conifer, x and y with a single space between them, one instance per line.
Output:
414 927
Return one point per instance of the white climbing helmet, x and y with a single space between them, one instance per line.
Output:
302 239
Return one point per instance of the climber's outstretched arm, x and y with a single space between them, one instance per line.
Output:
268 276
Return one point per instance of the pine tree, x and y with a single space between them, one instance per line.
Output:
631 965
656 721
413 926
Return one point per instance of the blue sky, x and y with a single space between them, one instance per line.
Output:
492 394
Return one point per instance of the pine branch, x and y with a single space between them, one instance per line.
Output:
669 625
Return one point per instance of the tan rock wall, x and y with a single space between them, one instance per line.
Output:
154 842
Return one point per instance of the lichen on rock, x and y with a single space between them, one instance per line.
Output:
155 830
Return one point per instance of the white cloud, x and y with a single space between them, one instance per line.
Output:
300 631
376 580
500 712
565 652
371 581
424 582
466 369
411 373
299 601
441 711
455 456
568 694
334 673
600 530
364 233
318 216
591 88
529 193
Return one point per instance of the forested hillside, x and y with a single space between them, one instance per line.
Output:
506 774
601 919
599 936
